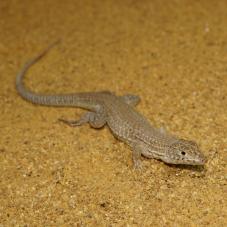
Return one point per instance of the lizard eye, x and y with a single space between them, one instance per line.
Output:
183 153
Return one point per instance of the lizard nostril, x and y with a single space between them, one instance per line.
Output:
183 153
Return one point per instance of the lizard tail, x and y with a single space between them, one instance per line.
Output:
73 100
22 90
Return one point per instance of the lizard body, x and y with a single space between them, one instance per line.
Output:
118 112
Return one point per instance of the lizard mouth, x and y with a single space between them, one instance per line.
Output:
200 161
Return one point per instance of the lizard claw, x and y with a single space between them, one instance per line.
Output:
137 165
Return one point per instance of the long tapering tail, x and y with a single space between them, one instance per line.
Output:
74 100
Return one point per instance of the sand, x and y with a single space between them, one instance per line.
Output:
173 54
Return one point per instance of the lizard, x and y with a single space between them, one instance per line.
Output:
120 115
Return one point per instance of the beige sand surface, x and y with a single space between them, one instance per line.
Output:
171 53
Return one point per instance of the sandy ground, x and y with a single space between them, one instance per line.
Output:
171 53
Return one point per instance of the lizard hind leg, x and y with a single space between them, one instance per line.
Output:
96 120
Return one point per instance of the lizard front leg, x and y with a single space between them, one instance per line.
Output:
132 100
138 148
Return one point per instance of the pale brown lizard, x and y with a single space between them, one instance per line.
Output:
118 112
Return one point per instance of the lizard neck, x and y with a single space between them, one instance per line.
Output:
158 145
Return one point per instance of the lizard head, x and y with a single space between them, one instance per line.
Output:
184 152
